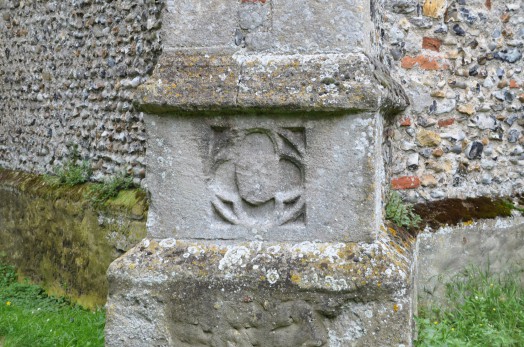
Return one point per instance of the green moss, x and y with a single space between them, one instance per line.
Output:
38 185
125 198
314 112
328 80
56 238
455 211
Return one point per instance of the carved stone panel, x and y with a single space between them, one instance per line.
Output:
270 177
258 177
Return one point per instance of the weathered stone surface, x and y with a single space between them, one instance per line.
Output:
272 137
184 293
276 177
69 70
497 244
269 55
284 26
56 239
473 77
323 82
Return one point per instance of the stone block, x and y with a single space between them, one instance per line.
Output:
274 177
207 80
264 121
284 26
494 244
185 294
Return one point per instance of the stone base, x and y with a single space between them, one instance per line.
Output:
183 293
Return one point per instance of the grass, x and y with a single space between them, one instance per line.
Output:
481 310
99 193
400 212
72 172
29 317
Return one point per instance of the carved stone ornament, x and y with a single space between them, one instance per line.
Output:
258 176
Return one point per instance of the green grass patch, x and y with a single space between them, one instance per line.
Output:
481 309
100 193
72 172
400 212
29 317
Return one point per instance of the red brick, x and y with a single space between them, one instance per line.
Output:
446 122
405 122
431 43
424 62
405 182
513 84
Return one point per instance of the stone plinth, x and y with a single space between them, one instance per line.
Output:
189 293
265 172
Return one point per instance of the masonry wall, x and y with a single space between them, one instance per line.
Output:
58 239
68 70
461 63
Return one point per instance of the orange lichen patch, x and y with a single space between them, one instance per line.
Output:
395 308
295 278
392 231
434 8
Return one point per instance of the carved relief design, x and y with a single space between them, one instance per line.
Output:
258 176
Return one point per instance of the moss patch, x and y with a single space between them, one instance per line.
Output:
455 211
56 238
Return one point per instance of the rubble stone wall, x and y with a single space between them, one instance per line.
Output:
461 64
68 70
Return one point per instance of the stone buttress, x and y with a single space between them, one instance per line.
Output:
266 175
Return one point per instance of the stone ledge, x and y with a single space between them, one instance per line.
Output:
340 267
221 81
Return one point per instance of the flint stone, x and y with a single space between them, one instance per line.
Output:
474 150
511 56
277 177
513 135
